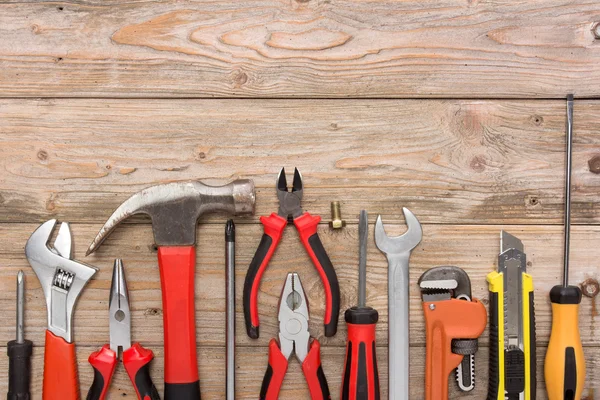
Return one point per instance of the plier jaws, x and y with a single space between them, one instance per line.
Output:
120 316
289 202
294 336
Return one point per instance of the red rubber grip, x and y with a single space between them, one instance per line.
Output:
104 362
313 372
275 374
136 360
177 267
307 228
274 226
361 377
60 369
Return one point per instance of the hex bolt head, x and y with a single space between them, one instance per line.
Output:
432 307
336 216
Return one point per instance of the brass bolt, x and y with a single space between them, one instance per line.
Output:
336 216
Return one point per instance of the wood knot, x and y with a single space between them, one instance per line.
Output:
594 164
202 155
533 201
50 203
153 311
153 248
35 29
240 78
42 155
58 59
537 120
60 8
590 287
478 163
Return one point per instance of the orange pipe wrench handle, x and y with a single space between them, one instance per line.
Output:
444 321
60 369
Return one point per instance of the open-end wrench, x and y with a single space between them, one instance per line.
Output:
62 280
398 249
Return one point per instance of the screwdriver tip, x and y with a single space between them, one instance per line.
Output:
20 277
230 231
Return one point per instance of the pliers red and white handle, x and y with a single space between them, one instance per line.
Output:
294 337
274 225
136 359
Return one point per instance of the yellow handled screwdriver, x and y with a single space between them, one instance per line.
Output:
565 364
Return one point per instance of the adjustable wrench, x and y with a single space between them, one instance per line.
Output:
397 250
62 280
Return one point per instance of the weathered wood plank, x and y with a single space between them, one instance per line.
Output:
474 248
299 48
251 364
458 162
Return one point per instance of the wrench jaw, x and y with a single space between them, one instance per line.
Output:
399 244
62 279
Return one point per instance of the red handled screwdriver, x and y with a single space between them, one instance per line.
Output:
361 379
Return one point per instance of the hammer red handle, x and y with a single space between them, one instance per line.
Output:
60 369
177 267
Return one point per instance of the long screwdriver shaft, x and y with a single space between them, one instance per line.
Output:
363 234
230 296
567 239
19 351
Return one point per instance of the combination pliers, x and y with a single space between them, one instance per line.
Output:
290 211
136 359
294 337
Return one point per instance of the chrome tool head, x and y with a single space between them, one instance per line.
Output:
119 314
403 243
175 208
289 202
62 279
294 336
444 283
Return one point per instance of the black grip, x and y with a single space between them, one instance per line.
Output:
323 383
261 252
332 283
144 385
19 369
182 391
494 370
532 348
95 390
514 371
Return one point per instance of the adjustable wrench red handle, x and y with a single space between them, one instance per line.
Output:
177 267
307 228
273 226
60 369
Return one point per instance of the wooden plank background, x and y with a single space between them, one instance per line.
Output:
453 108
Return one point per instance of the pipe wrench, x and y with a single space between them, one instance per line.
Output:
453 324
62 280
512 325
397 250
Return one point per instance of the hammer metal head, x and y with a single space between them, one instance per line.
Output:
399 244
175 208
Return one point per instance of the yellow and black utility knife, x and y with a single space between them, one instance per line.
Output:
512 325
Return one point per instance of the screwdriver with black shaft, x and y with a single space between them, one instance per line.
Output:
19 352
565 364
361 379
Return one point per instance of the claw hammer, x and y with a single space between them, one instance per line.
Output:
174 209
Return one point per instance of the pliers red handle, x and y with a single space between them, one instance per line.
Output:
274 225
313 372
294 338
136 359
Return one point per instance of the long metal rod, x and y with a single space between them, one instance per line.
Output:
567 238
20 307
363 236
230 296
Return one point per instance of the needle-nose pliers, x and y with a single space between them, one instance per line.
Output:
290 211
136 359
294 337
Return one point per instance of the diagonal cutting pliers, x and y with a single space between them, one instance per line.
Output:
294 337
136 359
290 211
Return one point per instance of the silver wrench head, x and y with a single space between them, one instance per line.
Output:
62 279
399 244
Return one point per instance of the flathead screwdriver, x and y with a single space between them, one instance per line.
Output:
19 352
565 364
